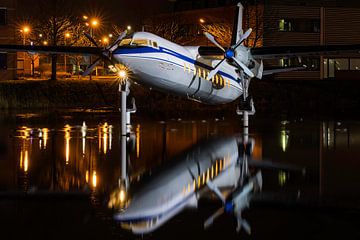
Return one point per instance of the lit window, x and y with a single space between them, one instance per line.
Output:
140 42
285 25
125 42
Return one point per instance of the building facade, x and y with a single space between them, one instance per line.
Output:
7 36
304 25
285 23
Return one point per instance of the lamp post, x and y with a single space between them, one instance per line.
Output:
94 23
67 35
25 30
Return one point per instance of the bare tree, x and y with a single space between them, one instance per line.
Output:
53 19
220 29
254 18
171 28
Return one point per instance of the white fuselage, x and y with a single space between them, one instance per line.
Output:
166 194
169 67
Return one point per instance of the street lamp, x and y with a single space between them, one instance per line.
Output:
67 36
128 27
25 30
105 40
201 20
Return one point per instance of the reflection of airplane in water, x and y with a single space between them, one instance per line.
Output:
211 167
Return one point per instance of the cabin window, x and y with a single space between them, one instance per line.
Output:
3 61
155 45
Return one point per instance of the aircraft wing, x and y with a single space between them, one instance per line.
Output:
51 49
298 51
280 70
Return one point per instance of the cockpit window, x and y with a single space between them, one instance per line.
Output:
138 42
125 41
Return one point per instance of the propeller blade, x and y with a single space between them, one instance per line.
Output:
244 68
242 223
216 190
91 39
115 44
260 70
212 39
243 38
91 67
215 70
211 219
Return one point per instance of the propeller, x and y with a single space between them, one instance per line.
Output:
230 54
106 53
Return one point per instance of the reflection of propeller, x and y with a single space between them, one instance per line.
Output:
230 54
239 200
106 53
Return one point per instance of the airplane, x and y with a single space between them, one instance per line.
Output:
213 166
211 75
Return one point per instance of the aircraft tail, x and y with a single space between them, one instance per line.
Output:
238 24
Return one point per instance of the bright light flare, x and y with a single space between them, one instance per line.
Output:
26 29
122 74
94 22
201 20
128 27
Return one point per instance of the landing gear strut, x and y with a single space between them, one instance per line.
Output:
126 111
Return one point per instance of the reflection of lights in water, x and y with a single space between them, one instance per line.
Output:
105 135
138 141
94 179
122 195
87 176
67 143
21 159
26 161
282 178
40 138
118 199
83 134
284 139
45 132
110 136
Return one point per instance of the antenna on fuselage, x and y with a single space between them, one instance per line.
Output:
238 24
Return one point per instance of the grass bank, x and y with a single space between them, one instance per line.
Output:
291 97
23 94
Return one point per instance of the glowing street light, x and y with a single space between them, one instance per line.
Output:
85 17
105 40
201 20
94 22
45 43
67 35
128 27
25 30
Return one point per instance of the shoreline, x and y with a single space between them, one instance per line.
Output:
292 97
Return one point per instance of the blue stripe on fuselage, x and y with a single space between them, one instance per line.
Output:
145 49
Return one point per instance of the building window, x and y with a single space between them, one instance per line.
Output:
3 18
299 25
3 61
285 25
354 64
312 64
